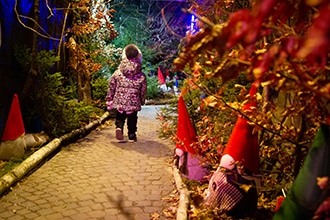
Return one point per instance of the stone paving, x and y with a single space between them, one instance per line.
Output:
99 178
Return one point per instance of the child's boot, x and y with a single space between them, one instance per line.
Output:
132 138
119 134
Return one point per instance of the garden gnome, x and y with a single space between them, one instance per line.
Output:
176 85
309 196
13 144
224 191
161 80
243 144
189 164
168 77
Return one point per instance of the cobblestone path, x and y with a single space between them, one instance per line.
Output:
98 178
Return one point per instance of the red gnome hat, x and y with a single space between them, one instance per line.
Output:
243 144
14 126
161 78
186 132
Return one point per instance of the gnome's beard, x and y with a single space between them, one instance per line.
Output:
227 162
225 194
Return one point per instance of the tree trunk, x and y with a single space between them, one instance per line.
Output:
33 72
299 152
84 88
61 38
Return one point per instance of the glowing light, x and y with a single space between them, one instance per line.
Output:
193 24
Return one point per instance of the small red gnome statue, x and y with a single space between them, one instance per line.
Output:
225 192
188 163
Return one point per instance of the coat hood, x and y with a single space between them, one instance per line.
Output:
139 57
131 68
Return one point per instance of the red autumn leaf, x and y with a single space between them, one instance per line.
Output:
237 27
260 12
291 45
323 209
279 201
301 23
263 8
278 16
316 45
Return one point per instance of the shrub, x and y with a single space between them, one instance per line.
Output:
50 99
59 114
153 90
99 90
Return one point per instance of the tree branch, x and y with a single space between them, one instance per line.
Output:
167 26
35 22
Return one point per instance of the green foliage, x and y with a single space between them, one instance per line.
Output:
9 165
169 120
45 59
153 90
6 166
133 30
23 55
99 87
147 30
50 99
59 114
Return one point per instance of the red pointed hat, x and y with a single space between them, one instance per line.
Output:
167 72
185 131
14 126
161 78
243 145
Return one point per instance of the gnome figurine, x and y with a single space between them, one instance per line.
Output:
187 160
233 186
12 141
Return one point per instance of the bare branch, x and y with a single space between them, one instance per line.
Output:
167 26
50 10
204 20
35 31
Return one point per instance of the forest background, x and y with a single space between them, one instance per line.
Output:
62 53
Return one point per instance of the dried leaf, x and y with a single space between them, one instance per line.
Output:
211 101
245 187
323 182
155 216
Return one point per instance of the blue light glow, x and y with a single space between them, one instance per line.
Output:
193 25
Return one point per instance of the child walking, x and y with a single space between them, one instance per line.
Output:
127 92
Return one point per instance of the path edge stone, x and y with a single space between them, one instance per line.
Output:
184 195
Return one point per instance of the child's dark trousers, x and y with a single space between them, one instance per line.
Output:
131 121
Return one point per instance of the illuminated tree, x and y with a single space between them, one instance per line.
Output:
91 29
143 23
283 45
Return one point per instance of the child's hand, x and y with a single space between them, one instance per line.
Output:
109 105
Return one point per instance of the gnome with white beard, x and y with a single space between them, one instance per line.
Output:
233 186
